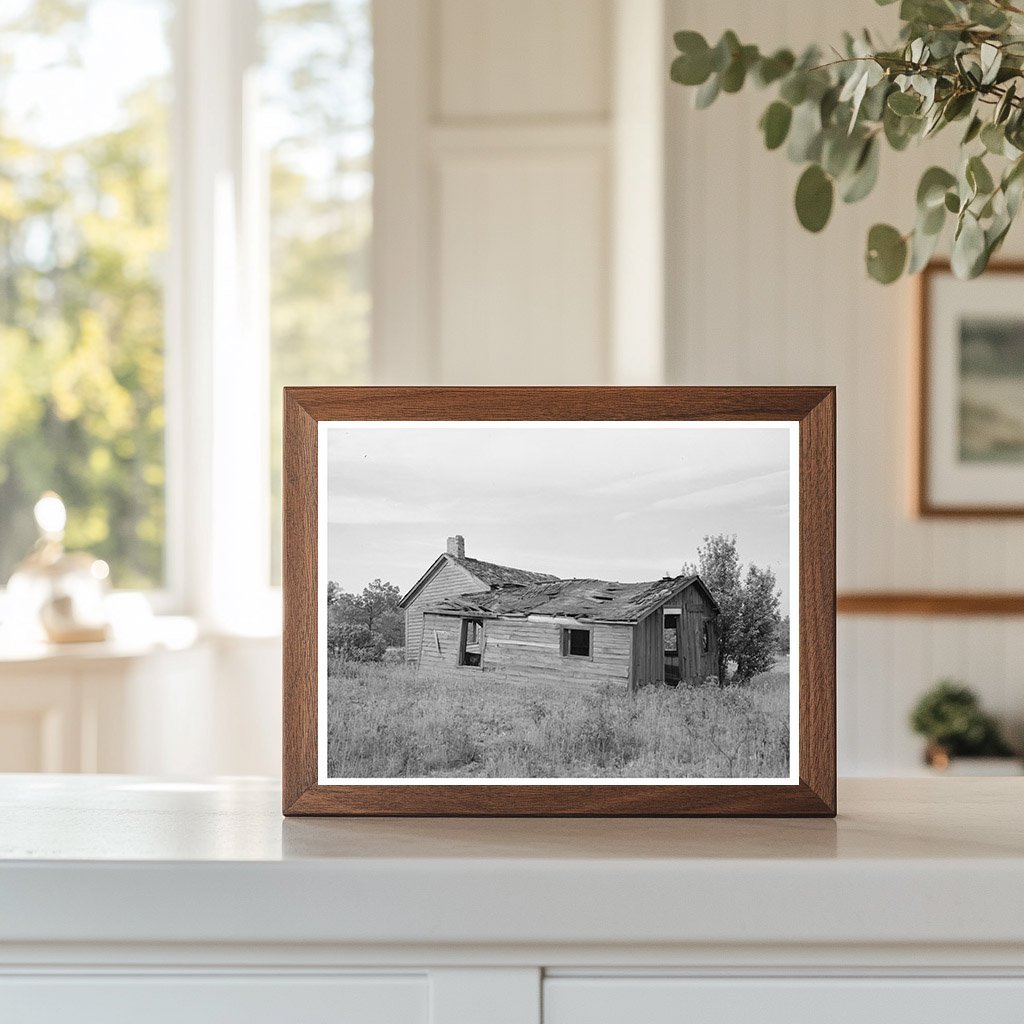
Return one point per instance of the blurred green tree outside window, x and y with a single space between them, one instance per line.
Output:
84 211
317 117
83 237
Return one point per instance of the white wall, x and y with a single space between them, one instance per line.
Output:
504 157
754 299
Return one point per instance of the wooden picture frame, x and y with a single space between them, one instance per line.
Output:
810 791
930 377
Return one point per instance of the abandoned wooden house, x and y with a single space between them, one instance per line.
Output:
531 626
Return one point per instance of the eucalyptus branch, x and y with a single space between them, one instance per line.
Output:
954 60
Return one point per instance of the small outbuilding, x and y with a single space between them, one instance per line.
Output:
529 627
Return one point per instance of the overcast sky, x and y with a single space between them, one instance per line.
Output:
625 503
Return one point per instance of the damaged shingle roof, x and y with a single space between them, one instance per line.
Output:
597 600
500 575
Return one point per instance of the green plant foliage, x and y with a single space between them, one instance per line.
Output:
950 716
814 195
887 253
775 124
955 60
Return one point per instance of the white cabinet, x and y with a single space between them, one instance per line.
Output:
126 899
828 1000
203 999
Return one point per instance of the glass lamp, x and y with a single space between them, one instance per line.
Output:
58 595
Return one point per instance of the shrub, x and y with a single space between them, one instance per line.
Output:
950 716
355 642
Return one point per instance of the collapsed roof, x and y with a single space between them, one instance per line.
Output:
586 599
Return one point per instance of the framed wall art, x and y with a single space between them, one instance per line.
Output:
559 601
970 444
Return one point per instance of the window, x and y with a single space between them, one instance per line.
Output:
471 642
317 126
671 634
83 240
576 643
705 637
185 224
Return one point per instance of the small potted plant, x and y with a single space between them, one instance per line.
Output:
950 718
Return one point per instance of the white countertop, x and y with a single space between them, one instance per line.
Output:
121 859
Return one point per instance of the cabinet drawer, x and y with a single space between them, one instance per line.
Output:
677 1000
202 999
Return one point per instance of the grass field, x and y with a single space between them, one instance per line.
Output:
387 721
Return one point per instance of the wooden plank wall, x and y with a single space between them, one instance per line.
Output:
449 581
696 665
521 651
649 650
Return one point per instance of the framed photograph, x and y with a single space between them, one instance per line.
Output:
970 450
559 601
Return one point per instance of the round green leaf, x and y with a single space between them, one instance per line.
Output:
952 202
865 173
805 133
887 253
993 138
958 106
978 176
903 103
922 248
775 123
973 130
794 89
840 152
735 74
693 65
930 221
814 195
932 189
968 256
899 130
770 69
987 15
725 49
707 93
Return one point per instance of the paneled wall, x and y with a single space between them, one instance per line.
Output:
505 136
754 299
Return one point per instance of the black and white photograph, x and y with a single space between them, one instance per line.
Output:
606 602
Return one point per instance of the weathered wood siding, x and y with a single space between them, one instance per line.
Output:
439 647
649 650
520 650
449 581
695 665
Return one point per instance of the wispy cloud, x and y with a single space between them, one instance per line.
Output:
608 502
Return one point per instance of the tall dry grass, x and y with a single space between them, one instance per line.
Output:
387 721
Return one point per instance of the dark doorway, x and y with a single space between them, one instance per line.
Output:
471 642
672 649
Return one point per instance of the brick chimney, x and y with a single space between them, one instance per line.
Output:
457 546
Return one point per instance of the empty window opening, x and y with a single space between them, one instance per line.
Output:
471 642
673 665
671 634
576 643
705 637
